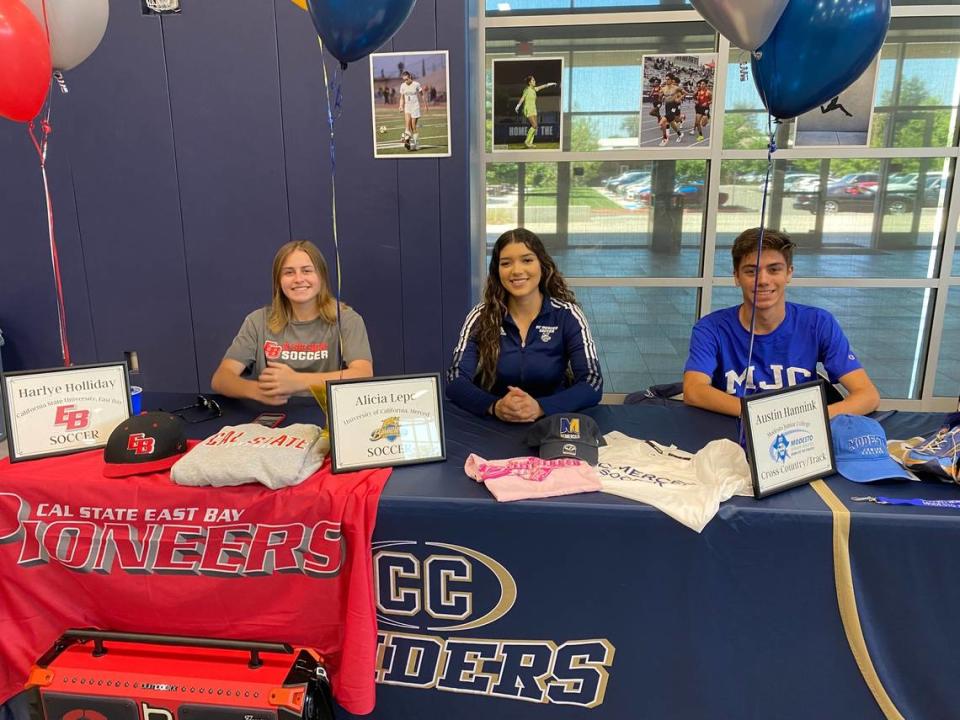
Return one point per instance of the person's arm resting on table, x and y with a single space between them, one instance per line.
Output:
698 389
699 392
587 387
844 367
863 395
461 388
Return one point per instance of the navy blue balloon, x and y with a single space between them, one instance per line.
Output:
352 29
817 49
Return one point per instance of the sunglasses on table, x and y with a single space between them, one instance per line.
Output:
200 411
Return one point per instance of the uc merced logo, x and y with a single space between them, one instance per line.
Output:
389 430
570 428
780 448
435 601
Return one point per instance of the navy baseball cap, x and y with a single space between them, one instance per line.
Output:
566 435
147 443
860 449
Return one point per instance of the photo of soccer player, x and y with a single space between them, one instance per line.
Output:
527 104
843 121
410 107
677 100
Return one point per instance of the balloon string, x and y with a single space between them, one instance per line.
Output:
41 147
334 106
748 372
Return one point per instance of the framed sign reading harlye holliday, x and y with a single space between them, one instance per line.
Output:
788 437
385 421
63 410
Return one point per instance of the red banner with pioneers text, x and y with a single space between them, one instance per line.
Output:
141 554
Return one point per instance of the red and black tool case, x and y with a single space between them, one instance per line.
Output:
98 675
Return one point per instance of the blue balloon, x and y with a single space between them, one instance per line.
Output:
817 49
352 29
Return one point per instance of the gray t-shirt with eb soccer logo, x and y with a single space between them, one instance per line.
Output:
309 346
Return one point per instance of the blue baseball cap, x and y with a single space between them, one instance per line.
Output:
860 449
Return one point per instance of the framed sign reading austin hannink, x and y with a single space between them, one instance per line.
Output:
63 410
385 421
788 437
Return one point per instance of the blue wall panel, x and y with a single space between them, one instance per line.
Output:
418 181
117 126
225 98
189 149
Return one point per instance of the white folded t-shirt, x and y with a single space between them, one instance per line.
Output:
687 487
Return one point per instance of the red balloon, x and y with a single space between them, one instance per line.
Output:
25 64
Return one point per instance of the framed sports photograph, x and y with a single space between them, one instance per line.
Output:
527 104
64 410
843 121
385 421
788 437
677 101
409 96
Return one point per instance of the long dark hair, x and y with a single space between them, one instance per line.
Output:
494 309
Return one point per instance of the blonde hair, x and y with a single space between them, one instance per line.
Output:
280 311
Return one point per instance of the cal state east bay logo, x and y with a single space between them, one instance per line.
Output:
427 592
271 350
310 352
72 418
141 444
147 539
389 430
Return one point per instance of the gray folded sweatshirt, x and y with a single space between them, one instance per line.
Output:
248 453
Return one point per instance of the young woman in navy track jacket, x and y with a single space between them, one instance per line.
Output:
526 350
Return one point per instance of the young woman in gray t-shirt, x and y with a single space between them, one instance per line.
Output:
293 343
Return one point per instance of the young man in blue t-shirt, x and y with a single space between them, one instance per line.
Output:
790 339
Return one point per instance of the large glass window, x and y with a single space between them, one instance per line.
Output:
605 219
856 217
643 232
643 334
948 366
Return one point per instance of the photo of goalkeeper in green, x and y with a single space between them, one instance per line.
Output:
528 103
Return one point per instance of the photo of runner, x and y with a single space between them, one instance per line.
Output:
527 102
676 102
409 102
843 120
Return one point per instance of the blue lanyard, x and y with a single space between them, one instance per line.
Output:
954 504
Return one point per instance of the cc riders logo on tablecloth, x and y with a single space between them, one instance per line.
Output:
426 591
72 419
141 444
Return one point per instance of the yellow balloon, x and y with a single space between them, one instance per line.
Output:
302 4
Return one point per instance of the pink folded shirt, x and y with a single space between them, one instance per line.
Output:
523 478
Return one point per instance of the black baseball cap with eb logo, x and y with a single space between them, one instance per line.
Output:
147 443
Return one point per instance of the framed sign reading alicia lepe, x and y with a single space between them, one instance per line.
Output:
64 410
385 421
788 437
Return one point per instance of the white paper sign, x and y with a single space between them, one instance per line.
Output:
788 433
385 422
53 412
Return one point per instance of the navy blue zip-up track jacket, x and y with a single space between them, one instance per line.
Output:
558 338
